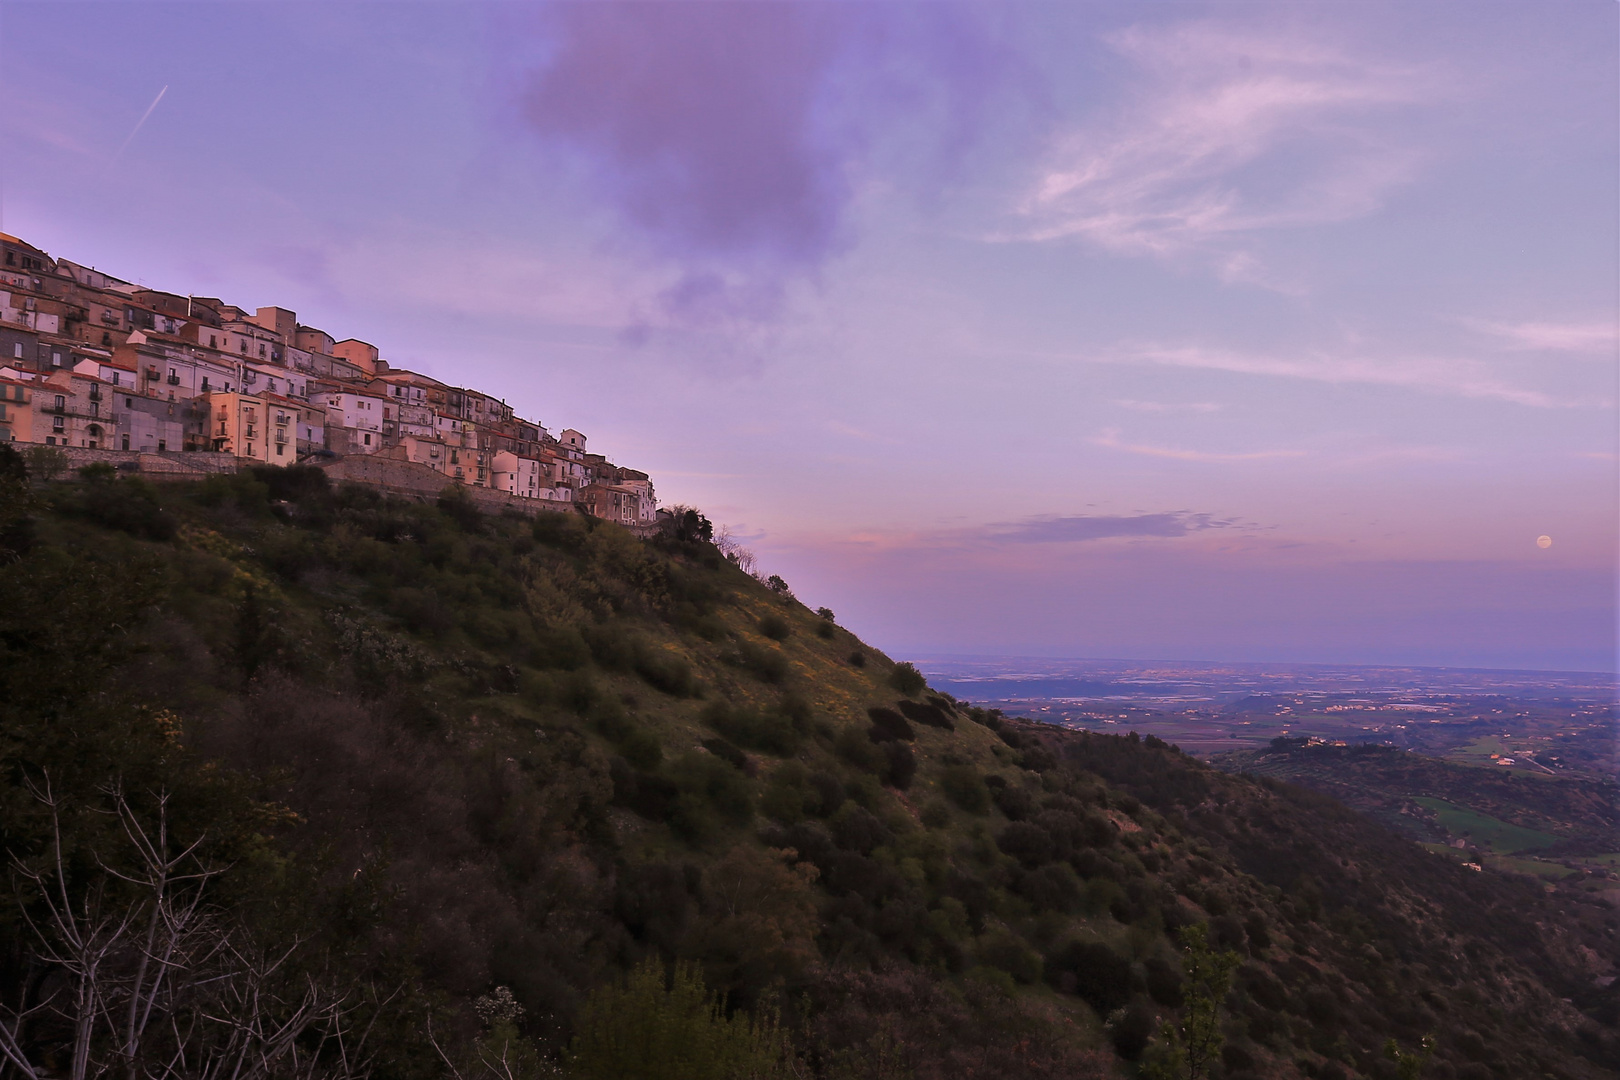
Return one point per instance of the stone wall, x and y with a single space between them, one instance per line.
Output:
414 480
169 465
389 474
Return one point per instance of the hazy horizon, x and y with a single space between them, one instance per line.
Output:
1257 334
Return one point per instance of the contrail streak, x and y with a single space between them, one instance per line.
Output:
138 124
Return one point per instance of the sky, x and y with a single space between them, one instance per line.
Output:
1235 332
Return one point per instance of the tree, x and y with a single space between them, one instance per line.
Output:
17 506
156 980
45 462
1188 1048
645 1030
687 525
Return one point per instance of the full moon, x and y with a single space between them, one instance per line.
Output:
1543 541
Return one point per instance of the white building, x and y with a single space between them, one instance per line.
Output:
515 475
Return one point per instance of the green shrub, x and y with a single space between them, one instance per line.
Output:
768 732
294 483
674 1030
936 814
767 663
900 765
421 612
238 490
455 504
667 672
560 647
1093 972
565 531
928 714
576 690
963 785
728 754
1005 952
857 659
709 788
613 646
775 627
888 725
642 749
787 793
858 750
609 718
97 471
129 506
907 679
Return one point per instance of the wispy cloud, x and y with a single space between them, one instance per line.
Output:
1082 527
1579 337
1460 376
1168 406
1109 438
1230 131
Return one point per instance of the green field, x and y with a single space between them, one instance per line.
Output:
1534 867
1497 836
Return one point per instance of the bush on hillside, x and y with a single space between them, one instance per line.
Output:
765 662
674 1028
130 506
907 679
889 725
963 785
768 732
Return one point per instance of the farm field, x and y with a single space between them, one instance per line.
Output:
1499 837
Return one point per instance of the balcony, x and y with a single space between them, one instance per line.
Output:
174 380
153 374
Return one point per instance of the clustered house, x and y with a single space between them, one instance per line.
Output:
91 362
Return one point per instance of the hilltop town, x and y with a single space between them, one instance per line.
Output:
152 381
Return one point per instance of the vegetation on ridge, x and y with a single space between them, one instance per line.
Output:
476 795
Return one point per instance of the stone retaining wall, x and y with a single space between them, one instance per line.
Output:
414 480
168 465
392 475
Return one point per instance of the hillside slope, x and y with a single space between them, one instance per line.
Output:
435 754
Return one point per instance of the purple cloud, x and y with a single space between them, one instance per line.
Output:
704 122
728 135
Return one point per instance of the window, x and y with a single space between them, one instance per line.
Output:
129 403
16 350
213 341
205 384
56 359
162 445
61 402
126 442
